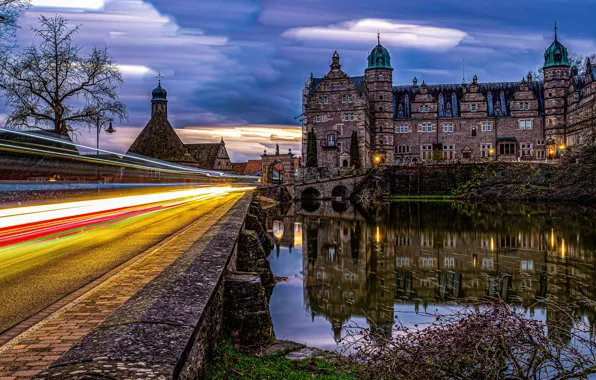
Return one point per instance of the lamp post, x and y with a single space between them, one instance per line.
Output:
110 130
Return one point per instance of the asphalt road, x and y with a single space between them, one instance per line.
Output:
34 276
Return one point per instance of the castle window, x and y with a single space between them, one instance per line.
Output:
427 127
380 97
349 98
540 142
525 124
473 107
325 99
526 106
320 100
558 75
320 118
351 116
448 127
327 86
346 116
507 148
426 151
342 85
473 131
425 109
402 149
380 109
344 98
380 76
330 140
485 150
487 126
402 128
551 121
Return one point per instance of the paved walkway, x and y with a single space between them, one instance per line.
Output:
35 347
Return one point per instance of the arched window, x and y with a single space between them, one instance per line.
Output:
473 131
345 164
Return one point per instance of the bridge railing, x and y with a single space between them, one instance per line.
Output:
313 175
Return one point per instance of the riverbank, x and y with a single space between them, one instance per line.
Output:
572 178
278 361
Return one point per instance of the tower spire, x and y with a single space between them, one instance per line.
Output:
555 30
159 76
378 37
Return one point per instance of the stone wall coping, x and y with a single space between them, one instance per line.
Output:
157 327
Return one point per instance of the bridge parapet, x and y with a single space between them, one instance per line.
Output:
169 327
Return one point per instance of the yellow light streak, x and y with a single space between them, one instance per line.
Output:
33 214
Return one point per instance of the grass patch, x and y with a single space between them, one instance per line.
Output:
229 363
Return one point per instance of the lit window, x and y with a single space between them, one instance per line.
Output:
448 128
473 107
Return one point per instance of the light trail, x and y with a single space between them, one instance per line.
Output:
157 164
22 224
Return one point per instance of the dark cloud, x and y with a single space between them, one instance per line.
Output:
243 62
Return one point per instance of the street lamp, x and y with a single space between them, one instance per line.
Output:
110 130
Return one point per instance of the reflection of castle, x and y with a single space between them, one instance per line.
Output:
430 253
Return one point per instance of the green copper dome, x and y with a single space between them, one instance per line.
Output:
556 54
379 58
159 93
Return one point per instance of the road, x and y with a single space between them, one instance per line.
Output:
48 259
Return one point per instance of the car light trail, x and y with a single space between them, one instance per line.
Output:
21 224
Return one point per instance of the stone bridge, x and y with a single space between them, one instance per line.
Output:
327 184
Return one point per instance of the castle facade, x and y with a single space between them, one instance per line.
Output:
526 120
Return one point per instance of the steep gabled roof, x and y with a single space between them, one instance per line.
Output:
359 82
204 154
239 167
159 140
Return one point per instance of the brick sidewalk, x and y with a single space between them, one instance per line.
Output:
36 348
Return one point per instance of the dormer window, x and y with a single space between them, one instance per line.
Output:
474 108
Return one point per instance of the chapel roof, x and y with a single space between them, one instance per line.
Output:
204 154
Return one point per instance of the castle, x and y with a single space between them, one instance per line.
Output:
529 120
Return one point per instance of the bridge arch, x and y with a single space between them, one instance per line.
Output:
311 194
340 192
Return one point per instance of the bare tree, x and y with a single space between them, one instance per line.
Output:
55 85
493 341
9 15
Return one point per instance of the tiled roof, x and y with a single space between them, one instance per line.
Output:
252 167
204 154
238 167
159 140
496 88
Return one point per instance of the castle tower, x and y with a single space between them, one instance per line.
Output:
159 100
379 83
556 85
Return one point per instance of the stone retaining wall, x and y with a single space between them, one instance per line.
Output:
167 330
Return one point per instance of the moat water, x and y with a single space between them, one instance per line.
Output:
349 266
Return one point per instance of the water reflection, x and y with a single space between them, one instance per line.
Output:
351 265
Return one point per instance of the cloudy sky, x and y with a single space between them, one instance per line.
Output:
235 68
